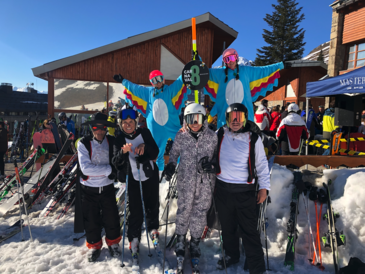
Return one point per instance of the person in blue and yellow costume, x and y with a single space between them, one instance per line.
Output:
239 84
160 105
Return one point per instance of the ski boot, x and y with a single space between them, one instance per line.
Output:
93 254
226 262
115 250
180 253
195 254
134 248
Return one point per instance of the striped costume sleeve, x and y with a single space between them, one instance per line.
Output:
137 96
263 79
179 93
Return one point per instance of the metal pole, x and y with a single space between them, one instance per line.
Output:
306 119
125 210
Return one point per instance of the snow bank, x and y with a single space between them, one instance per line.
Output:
54 251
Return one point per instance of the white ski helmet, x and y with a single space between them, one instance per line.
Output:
191 114
194 108
293 107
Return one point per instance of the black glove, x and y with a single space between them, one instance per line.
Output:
208 167
169 171
112 176
119 78
196 55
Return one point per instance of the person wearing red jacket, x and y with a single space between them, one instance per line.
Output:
275 119
262 118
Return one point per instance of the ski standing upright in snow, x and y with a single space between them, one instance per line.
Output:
333 238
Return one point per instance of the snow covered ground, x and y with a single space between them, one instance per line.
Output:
54 251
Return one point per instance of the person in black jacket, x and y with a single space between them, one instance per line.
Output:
3 148
136 145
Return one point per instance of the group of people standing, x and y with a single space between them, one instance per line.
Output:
206 163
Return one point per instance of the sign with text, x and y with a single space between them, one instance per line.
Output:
195 75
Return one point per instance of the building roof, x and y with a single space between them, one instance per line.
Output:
340 4
207 17
17 101
304 63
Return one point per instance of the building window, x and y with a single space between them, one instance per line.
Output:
356 56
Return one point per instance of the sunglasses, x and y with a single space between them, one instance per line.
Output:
157 79
192 119
129 113
101 127
230 58
236 116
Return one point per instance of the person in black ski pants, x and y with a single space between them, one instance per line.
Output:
97 175
236 184
3 148
132 145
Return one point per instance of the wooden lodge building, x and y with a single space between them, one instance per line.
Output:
83 83
292 83
347 46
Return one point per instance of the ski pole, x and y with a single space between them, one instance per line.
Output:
25 207
164 252
265 234
20 210
144 211
125 209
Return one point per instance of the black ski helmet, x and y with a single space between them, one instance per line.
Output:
61 115
237 107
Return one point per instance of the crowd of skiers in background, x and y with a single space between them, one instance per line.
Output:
289 126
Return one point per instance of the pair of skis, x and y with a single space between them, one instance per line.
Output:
39 179
10 181
333 238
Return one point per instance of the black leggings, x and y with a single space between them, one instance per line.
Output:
150 189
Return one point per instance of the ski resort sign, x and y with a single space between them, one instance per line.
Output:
195 75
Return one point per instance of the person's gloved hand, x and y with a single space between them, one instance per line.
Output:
208 167
169 171
196 55
118 77
112 176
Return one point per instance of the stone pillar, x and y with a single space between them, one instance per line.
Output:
337 50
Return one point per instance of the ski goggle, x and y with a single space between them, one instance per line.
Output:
191 119
97 127
230 58
128 113
236 116
157 79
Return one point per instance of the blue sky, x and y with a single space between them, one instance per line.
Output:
36 32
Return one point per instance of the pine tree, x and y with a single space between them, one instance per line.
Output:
320 56
285 40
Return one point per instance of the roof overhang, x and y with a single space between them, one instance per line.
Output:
130 41
304 63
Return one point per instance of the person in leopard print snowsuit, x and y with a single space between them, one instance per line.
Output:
195 178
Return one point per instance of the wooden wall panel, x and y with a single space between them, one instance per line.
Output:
136 62
354 26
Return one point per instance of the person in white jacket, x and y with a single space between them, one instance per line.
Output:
99 208
291 131
242 168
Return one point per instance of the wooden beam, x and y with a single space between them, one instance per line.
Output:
318 160
51 96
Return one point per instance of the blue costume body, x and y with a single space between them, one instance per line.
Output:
161 107
252 83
